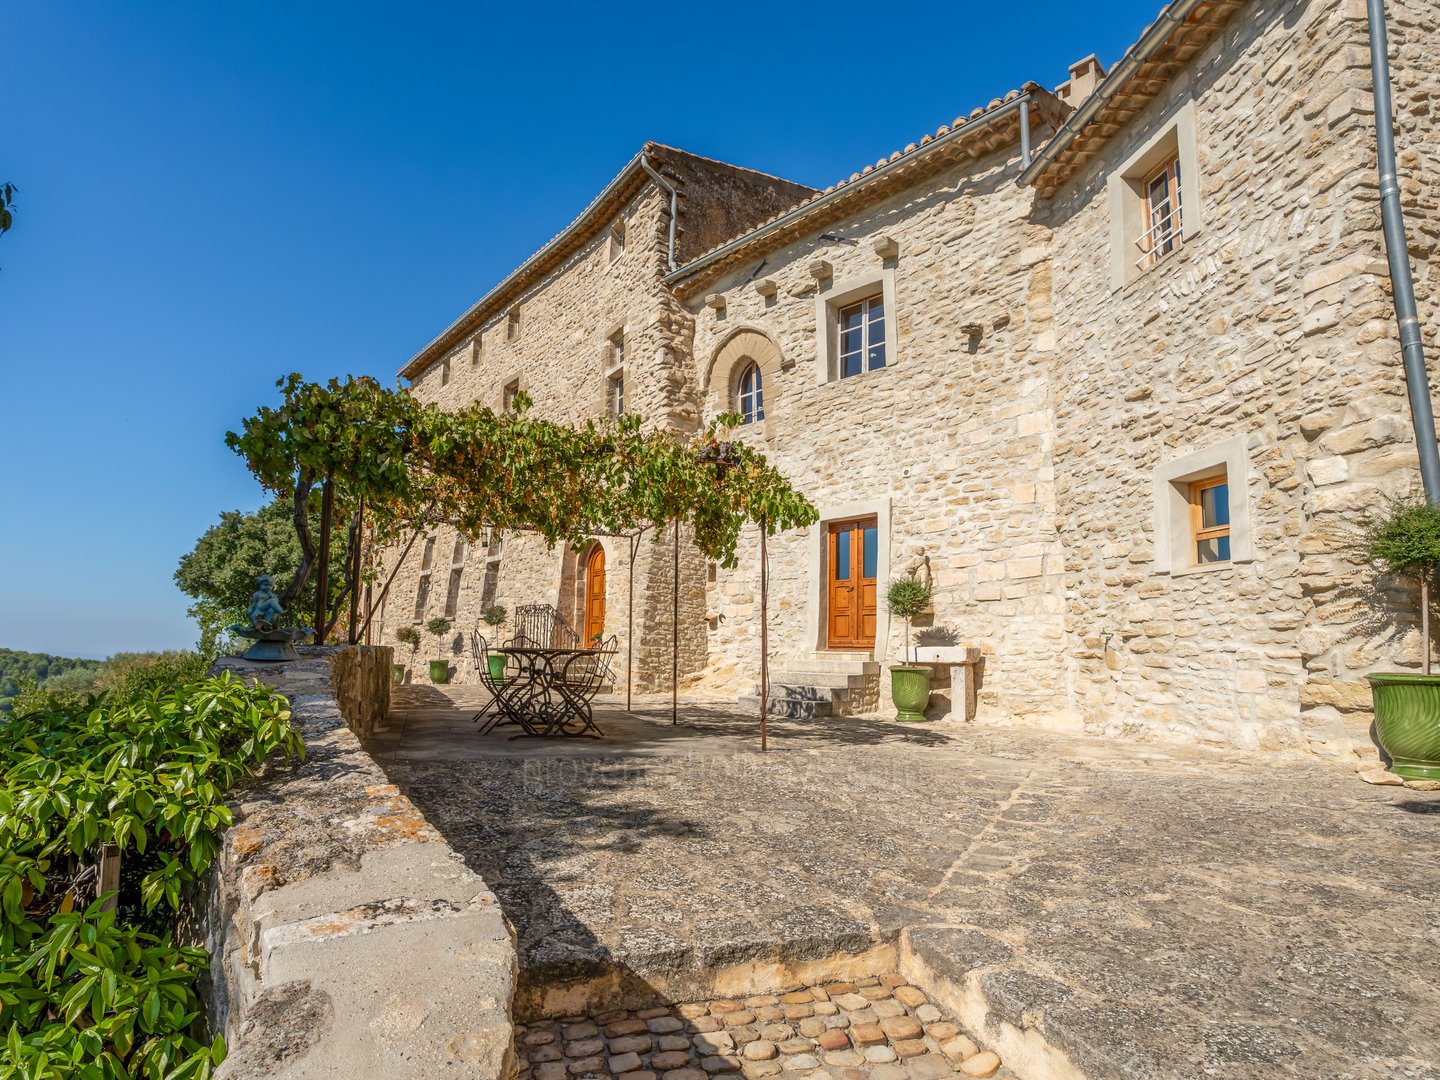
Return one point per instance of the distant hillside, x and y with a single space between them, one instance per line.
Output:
41 666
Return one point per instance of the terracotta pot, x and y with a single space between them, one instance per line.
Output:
1407 722
910 690
439 671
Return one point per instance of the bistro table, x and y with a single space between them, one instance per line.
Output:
544 697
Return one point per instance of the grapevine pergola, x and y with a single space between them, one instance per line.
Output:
393 465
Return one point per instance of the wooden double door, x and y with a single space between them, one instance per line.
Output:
852 559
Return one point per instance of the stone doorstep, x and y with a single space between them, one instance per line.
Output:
793 708
857 666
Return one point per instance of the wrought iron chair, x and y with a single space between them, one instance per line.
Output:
539 626
500 708
580 680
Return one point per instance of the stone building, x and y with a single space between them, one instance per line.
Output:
1117 364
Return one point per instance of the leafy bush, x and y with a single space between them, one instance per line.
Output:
1405 539
408 635
907 597
87 993
495 615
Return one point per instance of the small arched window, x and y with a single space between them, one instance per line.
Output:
749 395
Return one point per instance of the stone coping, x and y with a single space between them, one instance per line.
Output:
348 939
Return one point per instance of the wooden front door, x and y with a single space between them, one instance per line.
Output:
595 594
853 552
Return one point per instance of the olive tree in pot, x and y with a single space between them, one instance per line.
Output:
494 616
439 669
1405 539
406 635
909 684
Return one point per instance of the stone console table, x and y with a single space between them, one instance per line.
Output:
964 664
347 939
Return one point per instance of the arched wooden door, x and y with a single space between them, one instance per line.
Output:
595 594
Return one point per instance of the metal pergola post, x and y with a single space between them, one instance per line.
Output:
675 631
764 640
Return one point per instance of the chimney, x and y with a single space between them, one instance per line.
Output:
1085 75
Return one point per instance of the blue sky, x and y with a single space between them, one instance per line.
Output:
212 195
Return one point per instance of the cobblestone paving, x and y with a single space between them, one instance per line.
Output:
878 1028
1149 911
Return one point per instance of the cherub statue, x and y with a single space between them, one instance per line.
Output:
265 610
920 570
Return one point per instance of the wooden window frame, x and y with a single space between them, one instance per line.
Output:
867 320
754 412
1152 253
1199 532
615 392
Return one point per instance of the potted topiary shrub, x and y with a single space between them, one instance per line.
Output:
1405 539
439 669
406 635
909 683
495 616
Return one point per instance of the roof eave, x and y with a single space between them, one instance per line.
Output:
451 335
881 173
1155 37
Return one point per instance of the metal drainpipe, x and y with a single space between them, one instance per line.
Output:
1024 131
664 186
1417 381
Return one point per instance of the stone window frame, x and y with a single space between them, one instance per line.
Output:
490 584
422 584
445 372
841 294
458 555
817 592
477 351
742 346
514 324
1126 196
615 391
613 369
509 389
615 240
1174 531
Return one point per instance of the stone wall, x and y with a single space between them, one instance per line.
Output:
1272 325
952 438
347 938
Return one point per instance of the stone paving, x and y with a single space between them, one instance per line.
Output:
875 1028
1131 910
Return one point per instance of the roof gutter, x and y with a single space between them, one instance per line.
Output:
1019 104
638 161
1149 43
1417 381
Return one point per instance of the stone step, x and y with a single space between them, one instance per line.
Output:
839 679
793 708
859 665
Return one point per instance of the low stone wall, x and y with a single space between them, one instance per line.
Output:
347 938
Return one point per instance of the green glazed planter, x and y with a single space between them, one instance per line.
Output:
910 690
496 663
399 675
439 671
1407 722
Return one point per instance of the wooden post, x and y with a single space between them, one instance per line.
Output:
109 875
322 587
353 637
764 641
675 631
630 634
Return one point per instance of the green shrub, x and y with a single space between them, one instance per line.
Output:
495 615
1405 539
907 597
84 993
408 635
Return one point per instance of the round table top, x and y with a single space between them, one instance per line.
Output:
536 650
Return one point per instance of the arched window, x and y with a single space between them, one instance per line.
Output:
749 394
